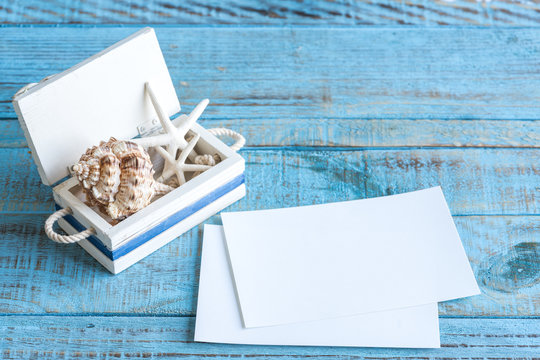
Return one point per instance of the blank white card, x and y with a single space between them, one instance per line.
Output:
219 319
340 259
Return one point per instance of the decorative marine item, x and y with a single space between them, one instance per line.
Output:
109 94
179 166
174 140
118 177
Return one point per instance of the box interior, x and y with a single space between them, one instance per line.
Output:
202 147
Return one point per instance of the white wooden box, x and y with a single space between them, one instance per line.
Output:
104 96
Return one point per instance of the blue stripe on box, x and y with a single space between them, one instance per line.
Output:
159 228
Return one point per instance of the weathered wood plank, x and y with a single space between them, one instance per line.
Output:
289 12
11 134
172 337
475 181
358 132
313 73
39 276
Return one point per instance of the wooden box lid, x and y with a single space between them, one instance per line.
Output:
101 97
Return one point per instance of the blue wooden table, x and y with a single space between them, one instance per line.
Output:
338 100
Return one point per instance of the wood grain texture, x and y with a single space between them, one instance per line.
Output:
313 73
361 133
475 181
40 276
330 114
172 338
274 12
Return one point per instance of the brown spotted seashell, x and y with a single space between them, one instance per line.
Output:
118 177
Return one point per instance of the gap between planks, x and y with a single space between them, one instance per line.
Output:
281 72
180 315
259 27
282 12
475 181
36 270
107 337
359 133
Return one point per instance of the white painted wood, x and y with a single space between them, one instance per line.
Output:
153 214
88 247
180 228
82 212
162 239
102 96
209 143
232 166
172 202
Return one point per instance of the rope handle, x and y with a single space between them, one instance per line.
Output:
64 239
240 141
69 239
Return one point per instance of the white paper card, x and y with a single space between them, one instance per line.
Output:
325 261
219 319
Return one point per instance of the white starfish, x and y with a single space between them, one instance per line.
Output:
174 137
179 166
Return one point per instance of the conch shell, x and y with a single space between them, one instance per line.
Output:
118 177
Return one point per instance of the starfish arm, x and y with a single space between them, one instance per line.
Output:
146 142
166 174
163 118
171 149
191 144
180 176
179 120
168 158
184 126
173 139
195 167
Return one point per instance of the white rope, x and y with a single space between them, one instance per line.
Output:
64 239
240 140
202 159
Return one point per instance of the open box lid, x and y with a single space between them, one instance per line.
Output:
101 97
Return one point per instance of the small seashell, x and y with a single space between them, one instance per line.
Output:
118 177
206 159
